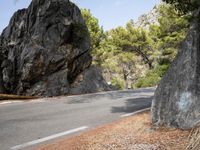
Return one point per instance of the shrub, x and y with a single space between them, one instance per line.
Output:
117 83
152 77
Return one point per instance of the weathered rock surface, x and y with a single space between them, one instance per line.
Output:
177 98
148 19
90 81
43 49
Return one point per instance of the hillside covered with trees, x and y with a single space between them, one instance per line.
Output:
138 54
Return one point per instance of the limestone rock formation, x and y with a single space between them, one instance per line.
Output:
43 49
148 19
177 98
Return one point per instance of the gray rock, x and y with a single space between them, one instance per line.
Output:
43 49
90 81
177 98
148 19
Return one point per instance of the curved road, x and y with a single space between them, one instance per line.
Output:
24 125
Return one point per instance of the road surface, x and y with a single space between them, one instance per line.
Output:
24 125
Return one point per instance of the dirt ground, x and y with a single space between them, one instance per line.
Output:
131 133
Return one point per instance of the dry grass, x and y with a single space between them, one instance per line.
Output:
15 97
132 133
194 138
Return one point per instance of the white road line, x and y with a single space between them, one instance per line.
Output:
134 113
3 103
9 102
21 101
17 147
37 101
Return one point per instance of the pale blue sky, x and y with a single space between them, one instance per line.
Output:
111 13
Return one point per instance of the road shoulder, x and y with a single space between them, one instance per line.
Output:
130 133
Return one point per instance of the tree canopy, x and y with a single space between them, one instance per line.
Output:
96 32
184 6
133 56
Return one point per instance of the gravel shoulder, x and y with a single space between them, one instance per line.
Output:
131 133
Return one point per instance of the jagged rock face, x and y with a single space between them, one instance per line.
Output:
177 98
146 20
43 49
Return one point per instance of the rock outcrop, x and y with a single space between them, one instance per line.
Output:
44 49
146 20
90 81
177 98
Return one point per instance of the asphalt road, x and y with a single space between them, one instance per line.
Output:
24 125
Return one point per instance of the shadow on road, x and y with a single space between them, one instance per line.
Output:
133 104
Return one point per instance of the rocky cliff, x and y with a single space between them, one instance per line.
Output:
148 19
44 49
177 98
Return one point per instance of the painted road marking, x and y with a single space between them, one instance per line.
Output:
134 113
9 102
38 101
21 101
17 147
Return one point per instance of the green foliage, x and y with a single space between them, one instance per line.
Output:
137 56
148 81
118 83
160 70
132 39
184 6
152 77
166 38
115 62
168 35
96 32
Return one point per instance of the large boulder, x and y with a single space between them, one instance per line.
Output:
43 49
177 98
90 81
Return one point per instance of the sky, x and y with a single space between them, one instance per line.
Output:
111 13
